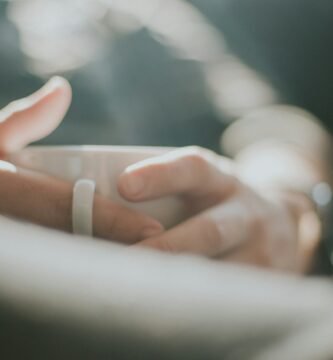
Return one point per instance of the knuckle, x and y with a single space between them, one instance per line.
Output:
163 175
200 152
200 160
197 161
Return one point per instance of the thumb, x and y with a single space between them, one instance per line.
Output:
34 117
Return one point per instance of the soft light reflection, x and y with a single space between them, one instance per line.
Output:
237 89
184 28
279 122
56 35
6 166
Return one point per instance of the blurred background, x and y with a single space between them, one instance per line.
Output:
176 72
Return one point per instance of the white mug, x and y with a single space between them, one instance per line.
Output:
103 164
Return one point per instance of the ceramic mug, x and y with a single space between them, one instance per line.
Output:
103 164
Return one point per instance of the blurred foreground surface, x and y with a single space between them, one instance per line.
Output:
71 298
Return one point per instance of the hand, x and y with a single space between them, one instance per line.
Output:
228 218
45 200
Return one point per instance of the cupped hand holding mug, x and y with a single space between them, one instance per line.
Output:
230 219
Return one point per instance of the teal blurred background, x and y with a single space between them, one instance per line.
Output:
169 73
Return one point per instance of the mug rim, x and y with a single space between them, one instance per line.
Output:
96 148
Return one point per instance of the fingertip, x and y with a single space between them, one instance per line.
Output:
59 83
48 108
57 87
35 116
131 186
48 105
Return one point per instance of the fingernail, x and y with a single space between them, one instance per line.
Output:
54 82
151 231
133 185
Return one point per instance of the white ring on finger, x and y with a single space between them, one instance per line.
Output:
82 207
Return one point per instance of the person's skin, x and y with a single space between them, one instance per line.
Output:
229 218
44 200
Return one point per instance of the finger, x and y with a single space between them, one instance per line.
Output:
211 234
36 198
189 171
48 201
121 224
34 117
